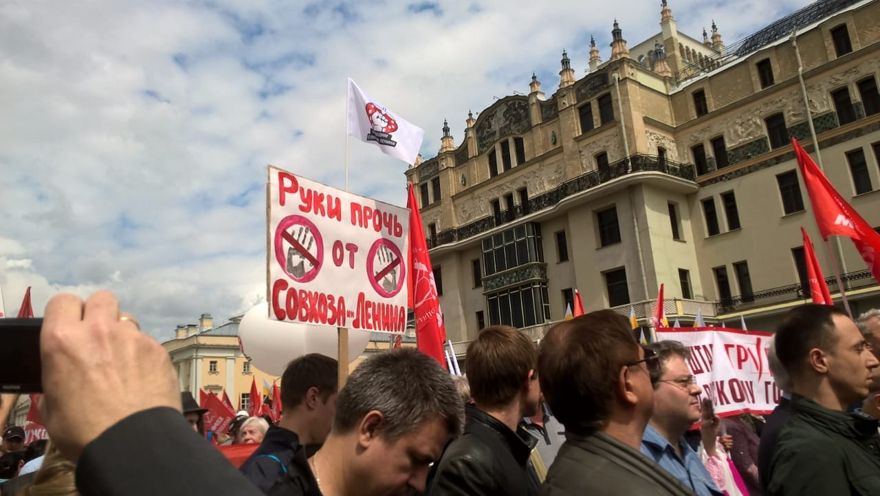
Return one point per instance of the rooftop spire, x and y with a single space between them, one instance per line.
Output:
535 85
618 44
445 128
566 75
595 60
446 142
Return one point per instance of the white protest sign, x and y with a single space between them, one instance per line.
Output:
730 366
335 258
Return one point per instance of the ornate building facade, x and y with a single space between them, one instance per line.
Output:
669 163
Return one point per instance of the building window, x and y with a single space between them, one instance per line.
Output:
520 149
843 105
870 97
661 156
615 283
744 280
858 167
493 163
684 279
435 186
790 191
508 202
585 113
438 280
512 248
567 300
432 232
496 209
673 221
505 155
606 110
776 130
765 73
729 201
524 200
711 216
723 283
699 153
481 320
244 402
246 367
212 367
609 229
561 246
521 306
840 36
800 264
700 103
602 161
423 189
719 149
477 272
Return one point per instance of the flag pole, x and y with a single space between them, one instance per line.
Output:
832 253
342 332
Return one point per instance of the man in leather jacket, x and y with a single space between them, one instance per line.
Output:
491 457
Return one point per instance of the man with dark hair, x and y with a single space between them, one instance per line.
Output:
596 379
393 417
676 408
776 421
491 457
308 399
823 449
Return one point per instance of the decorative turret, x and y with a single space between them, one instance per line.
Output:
618 44
717 44
566 75
659 57
470 120
706 38
446 142
665 12
595 60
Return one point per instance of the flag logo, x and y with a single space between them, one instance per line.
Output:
382 125
844 221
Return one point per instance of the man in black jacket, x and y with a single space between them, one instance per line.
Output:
491 456
308 396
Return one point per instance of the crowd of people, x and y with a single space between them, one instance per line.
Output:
588 411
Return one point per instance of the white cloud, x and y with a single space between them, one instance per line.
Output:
135 135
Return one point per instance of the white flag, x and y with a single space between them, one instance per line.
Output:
698 321
372 122
1 304
742 321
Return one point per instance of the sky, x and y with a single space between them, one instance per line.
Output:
134 136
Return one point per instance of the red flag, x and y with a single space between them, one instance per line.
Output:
33 414
276 402
26 311
659 314
430 332
256 406
219 416
238 453
818 288
834 216
578 304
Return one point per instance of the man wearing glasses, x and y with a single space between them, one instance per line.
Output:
676 408
597 382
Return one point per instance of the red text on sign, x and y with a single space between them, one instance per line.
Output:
307 306
370 218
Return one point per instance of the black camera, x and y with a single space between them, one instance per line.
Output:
20 367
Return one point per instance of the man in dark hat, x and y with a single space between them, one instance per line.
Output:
193 413
13 439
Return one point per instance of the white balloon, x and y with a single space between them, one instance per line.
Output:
272 344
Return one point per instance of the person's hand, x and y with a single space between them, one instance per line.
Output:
98 369
709 426
726 441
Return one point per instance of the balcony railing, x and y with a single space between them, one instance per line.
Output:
584 182
793 292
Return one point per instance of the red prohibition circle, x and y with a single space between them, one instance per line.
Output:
282 235
375 277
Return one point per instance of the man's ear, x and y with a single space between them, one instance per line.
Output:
312 398
818 360
626 387
369 427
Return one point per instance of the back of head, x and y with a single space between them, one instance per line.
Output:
406 386
305 372
804 328
498 364
579 366
56 476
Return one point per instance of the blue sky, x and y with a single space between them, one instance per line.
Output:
134 135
